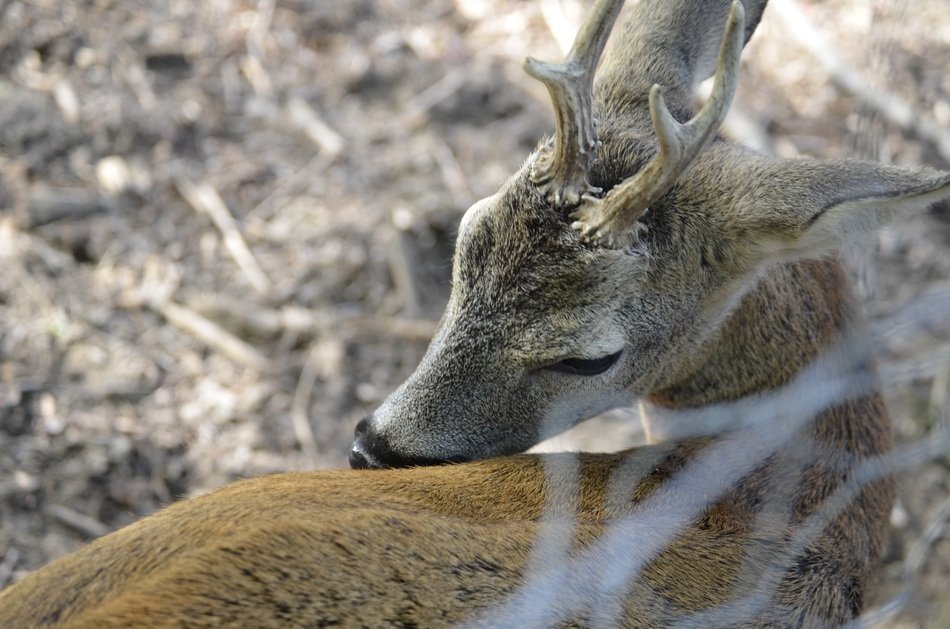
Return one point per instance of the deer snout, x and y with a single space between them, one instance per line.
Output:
371 450
360 456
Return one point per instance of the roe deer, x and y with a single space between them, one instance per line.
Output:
652 260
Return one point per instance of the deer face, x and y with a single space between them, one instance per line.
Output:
542 330
560 307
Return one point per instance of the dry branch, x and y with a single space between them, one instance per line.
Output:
155 292
209 332
88 526
452 173
288 187
299 410
424 101
49 205
7 566
253 64
206 200
303 116
264 321
414 329
401 270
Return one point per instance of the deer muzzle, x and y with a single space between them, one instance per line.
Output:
370 450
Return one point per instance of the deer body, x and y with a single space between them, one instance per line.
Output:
655 262
436 547
439 546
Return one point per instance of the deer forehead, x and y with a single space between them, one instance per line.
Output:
526 287
511 235
521 255
511 251
475 214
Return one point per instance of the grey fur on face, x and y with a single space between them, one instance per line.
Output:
665 250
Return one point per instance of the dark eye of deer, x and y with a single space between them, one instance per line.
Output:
585 366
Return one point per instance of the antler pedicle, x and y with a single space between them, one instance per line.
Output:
561 173
613 220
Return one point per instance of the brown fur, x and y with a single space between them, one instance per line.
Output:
430 547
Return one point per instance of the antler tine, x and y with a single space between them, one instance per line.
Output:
613 220
562 173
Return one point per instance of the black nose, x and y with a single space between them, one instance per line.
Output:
360 459
361 428
371 451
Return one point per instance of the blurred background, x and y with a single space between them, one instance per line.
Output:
226 228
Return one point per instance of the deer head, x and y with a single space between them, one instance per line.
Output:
606 268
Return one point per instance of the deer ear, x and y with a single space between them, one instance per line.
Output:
814 206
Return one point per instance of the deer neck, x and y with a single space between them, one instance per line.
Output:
781 325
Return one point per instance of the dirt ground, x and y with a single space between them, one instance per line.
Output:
226 229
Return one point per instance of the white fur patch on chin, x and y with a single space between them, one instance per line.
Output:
613 431
566 413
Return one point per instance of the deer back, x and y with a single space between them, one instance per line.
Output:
528 541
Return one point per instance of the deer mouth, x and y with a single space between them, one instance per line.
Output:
372 452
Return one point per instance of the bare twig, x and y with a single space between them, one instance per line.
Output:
252 65
939 390
261 24
401 269
135 77
14 244
158 285
257 76
303 116
415 329
67 101
892 107
49 205
299 410
209 332
428 98
271 322
7 566
88 526
206 200
289 187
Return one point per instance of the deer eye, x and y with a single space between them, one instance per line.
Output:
585 366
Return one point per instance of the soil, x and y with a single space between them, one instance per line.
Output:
226 230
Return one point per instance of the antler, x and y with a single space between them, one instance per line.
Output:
561 173
613 220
